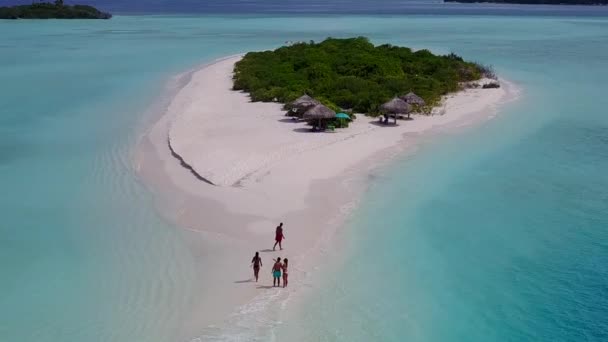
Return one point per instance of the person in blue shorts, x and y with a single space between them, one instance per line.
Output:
276 272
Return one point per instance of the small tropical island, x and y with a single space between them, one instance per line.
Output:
244 119
56 10
353 75
536 2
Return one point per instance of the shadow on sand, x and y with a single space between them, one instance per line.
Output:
308 130
243 281
289 120
304 130
382 124
265 287
390 122
266 250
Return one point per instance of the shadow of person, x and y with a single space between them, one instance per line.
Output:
266 287
243 281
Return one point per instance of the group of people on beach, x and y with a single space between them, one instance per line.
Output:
279 269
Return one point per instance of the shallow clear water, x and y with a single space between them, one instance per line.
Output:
84 256
498 233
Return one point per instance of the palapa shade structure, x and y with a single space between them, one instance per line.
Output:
302 104
319 113
305 101
413 99
395 107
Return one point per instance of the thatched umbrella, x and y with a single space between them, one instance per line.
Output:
305 101
413 99
302 104
319 112
395 107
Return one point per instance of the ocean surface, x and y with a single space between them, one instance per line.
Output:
496 233
298 7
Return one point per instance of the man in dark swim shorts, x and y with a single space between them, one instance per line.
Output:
278 237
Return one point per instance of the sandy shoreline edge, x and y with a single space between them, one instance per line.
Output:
269 170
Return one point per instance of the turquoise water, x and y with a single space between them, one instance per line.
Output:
496 234
84 255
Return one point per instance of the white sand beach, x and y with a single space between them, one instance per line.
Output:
265 169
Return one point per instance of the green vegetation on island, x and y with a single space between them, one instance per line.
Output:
57 10
536 2
351 74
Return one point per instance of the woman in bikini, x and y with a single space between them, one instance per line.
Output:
257 263
276 272
285 261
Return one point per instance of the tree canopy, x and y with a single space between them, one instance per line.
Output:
55 10
351 73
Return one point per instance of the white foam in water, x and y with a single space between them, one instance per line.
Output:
254 321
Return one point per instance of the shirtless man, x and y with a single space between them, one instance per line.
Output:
276 272
278 237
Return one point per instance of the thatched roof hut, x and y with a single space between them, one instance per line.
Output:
319 112
301 105
395 107
413 99
304 101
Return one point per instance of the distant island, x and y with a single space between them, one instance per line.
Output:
352 74
57 10
536 2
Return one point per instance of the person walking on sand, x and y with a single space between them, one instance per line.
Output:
257 263
276 272
278 237
285 262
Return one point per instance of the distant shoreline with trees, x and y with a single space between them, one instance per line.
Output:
56 10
